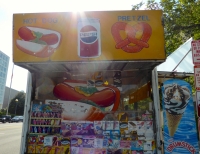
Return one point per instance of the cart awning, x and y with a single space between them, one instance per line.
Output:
172 62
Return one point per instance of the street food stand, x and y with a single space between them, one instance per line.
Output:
92 87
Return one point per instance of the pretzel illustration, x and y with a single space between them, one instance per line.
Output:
131 31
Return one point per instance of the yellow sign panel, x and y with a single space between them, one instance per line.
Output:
88 36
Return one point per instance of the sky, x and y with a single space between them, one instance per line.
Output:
8 7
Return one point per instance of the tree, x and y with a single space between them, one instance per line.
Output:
181 20
17 104
3 112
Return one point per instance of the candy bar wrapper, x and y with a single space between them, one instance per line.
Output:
105 143
88 128
98 127
133 135
64 150
98 143
116 125
88 142
132 125
32 140
109 125
104 125
141 125
125 144
100 151
40 140
75 150
125 138
137 152
77 128
59 150
48 140
148 145
39 149
65 125
114 151
65 141
76 141
137 145
113 143
123 128
79 125
106 133
123 116
148 152
56 141
149 134
66 128
115 134
48 149
141 134
77 132
87 151
73 125
88 125
149 125
126 151
31 149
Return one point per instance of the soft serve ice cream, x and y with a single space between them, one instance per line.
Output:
176 98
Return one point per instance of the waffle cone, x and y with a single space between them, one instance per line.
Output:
173 122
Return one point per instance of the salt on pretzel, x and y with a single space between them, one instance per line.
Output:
131 33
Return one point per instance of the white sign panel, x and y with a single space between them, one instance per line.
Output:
197 77
196 52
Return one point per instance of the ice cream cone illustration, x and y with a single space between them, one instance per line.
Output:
173 122
176 98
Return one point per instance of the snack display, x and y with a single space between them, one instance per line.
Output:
51 133
81 118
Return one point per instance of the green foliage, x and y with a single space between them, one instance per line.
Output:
143 105
191 81
137 6
3 112
17 103
181 21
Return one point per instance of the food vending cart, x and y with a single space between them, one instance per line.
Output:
92 87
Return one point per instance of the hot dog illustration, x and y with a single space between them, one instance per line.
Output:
38 42
90 102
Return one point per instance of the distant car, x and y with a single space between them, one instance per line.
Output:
5 118
17 119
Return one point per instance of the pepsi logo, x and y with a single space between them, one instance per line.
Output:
88 34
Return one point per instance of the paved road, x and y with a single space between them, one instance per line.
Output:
10 138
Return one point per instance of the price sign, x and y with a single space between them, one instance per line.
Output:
196 52
197 77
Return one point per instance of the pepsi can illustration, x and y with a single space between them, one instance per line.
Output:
89 40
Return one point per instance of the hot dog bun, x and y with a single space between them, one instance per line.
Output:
37 41
73 110
35 49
